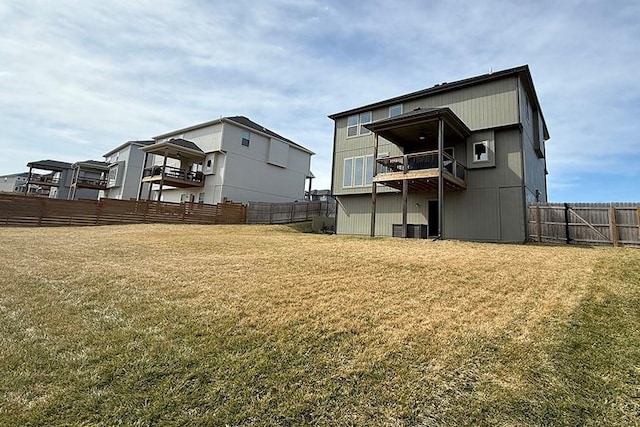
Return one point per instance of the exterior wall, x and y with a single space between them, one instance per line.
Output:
249 175
490 209
12 183
268 170
535 166
130 166
488 105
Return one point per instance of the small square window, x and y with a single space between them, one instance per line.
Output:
246 138
481 151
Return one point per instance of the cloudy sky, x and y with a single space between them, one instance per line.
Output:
78 78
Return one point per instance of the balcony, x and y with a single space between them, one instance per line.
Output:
46 180
94 183
422 171
171 176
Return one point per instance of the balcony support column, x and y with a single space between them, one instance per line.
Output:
405 195
144 166
440 178
374 185
26 186
164 167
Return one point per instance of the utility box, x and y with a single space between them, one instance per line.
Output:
414 231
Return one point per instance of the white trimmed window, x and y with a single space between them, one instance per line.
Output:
246 138
395 110
358 171
481 151
112 179
356 122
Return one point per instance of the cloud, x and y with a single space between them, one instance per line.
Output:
82 77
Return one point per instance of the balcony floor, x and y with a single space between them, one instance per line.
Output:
173 182
420 180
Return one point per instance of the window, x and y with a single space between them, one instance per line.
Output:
395 110
347 180
368 171
246 137
358 175
209 164
358 171
481 151
355 124
201 198
112 179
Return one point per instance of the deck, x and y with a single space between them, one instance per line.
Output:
422 172
173 177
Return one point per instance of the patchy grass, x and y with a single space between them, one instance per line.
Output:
255 325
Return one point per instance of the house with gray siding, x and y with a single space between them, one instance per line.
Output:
52 179
229 158
458 160
15 183
125 165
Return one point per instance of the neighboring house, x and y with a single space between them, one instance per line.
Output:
458 160
230 158
125 165
15 183
88 179
53 179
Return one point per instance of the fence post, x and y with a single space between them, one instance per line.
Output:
615 238
293 211
98 212
41 212
308 210
538 223
638 214
566 222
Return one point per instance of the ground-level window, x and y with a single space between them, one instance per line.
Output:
481 151
358 171
113 177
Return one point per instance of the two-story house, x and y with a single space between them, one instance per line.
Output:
230 158
125 165
53 178
458 160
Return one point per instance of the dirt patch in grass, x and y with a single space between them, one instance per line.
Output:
265 325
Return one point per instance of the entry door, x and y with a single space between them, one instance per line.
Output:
432 215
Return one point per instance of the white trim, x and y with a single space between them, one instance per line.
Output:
360 129
485 154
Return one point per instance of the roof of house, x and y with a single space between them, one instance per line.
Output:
237 120
120 147
446 87
16 175
50 165
92 164
185 144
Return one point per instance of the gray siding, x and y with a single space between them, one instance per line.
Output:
532 135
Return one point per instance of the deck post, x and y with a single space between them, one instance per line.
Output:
566 223
405 191
164 166
374 185
538 223
144 165
440 181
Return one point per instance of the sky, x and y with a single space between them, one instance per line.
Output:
79 78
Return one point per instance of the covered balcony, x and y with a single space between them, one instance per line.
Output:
90 174
185 170
427 137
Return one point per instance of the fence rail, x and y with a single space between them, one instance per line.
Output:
20 210
281 213
616 224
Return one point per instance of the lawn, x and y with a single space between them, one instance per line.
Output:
265 325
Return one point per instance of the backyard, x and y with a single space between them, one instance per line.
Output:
267 325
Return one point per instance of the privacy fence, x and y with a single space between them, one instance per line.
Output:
19 210
281 213
616 224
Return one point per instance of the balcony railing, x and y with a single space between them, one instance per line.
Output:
45 180
421 161
91 182
173 173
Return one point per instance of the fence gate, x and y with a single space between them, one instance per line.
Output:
585 223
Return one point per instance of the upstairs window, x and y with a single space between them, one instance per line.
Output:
355 124
481 151
246 138
112 178
395 110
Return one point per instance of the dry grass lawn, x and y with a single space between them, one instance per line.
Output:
265 325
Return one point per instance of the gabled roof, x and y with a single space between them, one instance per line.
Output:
50 165
176 146
522 71
120 147
237 120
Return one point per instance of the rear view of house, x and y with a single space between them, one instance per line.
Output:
458 160
230 158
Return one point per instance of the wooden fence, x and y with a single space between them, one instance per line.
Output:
616 224
280 213
20 210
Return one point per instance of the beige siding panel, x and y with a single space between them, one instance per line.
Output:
508 165
512 223
492 104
